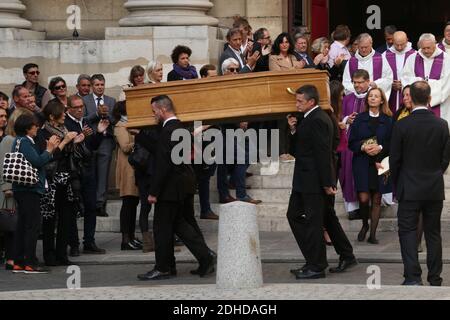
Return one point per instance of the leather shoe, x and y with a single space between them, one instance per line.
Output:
309 275
344 265
155 275
74 252
101 212
412 283
295 271
228 199
207 268
210 216
93 249
214 257
250 200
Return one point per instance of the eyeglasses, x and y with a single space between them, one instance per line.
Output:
34 73
60 87
77 107
267 38
233 69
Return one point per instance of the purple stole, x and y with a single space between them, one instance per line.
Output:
441 46
392 59
350 104
435 74
377 61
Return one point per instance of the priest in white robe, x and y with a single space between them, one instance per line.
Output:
368 59
432 65
444 45
396 56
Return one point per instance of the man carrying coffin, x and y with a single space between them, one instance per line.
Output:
396 56
432 65
368 59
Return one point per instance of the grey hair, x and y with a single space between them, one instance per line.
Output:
227 63
318 44
152 66
426 36
365 36
82 77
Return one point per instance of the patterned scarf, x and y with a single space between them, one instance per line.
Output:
48 200
59 131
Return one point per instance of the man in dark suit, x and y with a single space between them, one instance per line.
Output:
98 106
388 37
314 181
172 193
75 122
419 156
234 38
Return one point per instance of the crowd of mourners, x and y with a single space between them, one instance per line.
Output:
70 138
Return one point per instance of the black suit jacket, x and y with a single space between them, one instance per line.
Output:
314 140
171 182
93 141
419 155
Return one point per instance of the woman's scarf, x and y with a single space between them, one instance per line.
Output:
187 73
59 131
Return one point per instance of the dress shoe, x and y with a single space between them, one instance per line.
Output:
295 271
93 249
214 257
74 252
354 215
154 275
101 212
209 216
228 199
178 242
208 267
373 240
250 200
128 247
362 234
412 283
344 265
309 275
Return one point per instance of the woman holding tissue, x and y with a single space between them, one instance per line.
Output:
369 141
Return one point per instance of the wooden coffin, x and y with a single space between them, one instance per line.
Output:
254 96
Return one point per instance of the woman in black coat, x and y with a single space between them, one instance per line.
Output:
182 69
370 136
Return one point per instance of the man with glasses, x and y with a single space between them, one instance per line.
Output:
31 73
263 44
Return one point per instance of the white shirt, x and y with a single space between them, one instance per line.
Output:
171 118
308 113
419 108
336 49
239 55
96 99
31 139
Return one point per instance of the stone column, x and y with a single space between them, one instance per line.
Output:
10 11
168 13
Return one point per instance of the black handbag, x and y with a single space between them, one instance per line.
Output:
8 219
139 158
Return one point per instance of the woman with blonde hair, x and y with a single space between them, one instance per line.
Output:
370 136
321 49
154 72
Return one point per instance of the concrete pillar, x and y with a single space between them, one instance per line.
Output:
239 255
168 13
10 11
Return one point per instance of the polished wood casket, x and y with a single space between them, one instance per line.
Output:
242 97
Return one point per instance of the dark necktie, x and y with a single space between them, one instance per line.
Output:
99 99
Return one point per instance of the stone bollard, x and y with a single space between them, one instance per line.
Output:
239 254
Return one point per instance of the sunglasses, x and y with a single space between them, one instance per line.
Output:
233 69
60 87
34 73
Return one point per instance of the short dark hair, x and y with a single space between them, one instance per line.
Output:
4 96
163 101
361 73
72 98
82 77
119 110
420 93
97 76
279 40
54 81
391 29
310 92
16 91
178 50
29 66
341 33
204 70
134 72
259 34
24 123
54 108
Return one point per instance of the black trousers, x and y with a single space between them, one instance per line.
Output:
169 219
63 220
28 227
306 219
144 191
88 193
408 217
128 214
337 235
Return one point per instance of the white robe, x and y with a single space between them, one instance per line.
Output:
400 63
440 89
366 63
446 46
